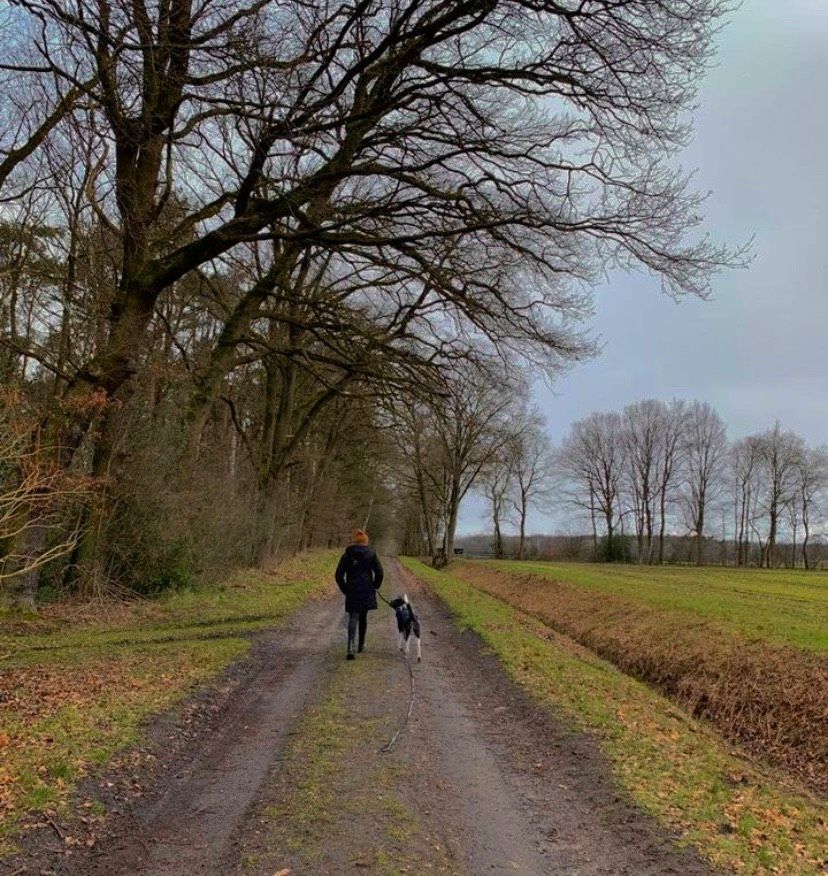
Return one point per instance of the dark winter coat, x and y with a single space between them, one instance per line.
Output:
359 576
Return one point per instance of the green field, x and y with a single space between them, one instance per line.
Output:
783 606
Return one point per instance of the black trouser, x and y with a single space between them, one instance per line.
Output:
362 618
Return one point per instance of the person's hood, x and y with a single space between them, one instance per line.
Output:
359 550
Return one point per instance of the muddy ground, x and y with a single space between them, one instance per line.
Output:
279 769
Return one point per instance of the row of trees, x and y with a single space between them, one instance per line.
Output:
482 436
238 238
656 469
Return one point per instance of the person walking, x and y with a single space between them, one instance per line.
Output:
359 576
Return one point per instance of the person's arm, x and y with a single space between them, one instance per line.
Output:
340 575
378 572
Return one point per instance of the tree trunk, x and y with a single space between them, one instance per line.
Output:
267 510
422 492
661 527
700 533
594 524
20 567
498 538
522 541
105 374
793 547
93 549
89 574
451 521
648 511
639 534
610 552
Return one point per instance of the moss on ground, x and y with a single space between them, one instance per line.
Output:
737 815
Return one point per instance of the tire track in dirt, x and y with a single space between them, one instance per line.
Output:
199 815
185 830
485 780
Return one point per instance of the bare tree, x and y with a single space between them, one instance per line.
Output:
412 140
705 455
643 435
592 463
812 490
670 464
468 424
532 467
497 484
456 438
779 455
743 462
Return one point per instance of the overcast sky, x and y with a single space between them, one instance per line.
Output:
758 350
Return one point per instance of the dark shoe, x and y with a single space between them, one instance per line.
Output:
349 655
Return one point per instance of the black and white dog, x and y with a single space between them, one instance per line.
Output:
407 623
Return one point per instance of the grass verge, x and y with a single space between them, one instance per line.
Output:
75 688
739 817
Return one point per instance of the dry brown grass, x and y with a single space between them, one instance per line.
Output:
771 699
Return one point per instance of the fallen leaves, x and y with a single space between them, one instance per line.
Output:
34 692
56 717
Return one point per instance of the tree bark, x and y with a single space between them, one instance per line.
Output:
451 520
700 531
610 552
498 539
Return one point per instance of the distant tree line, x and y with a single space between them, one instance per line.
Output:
575 548
658 476
247 246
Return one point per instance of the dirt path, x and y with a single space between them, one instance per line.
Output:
188 829
526 794
176 806
293 779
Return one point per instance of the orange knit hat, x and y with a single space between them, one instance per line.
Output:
360 536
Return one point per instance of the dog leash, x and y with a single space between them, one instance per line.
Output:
386 748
